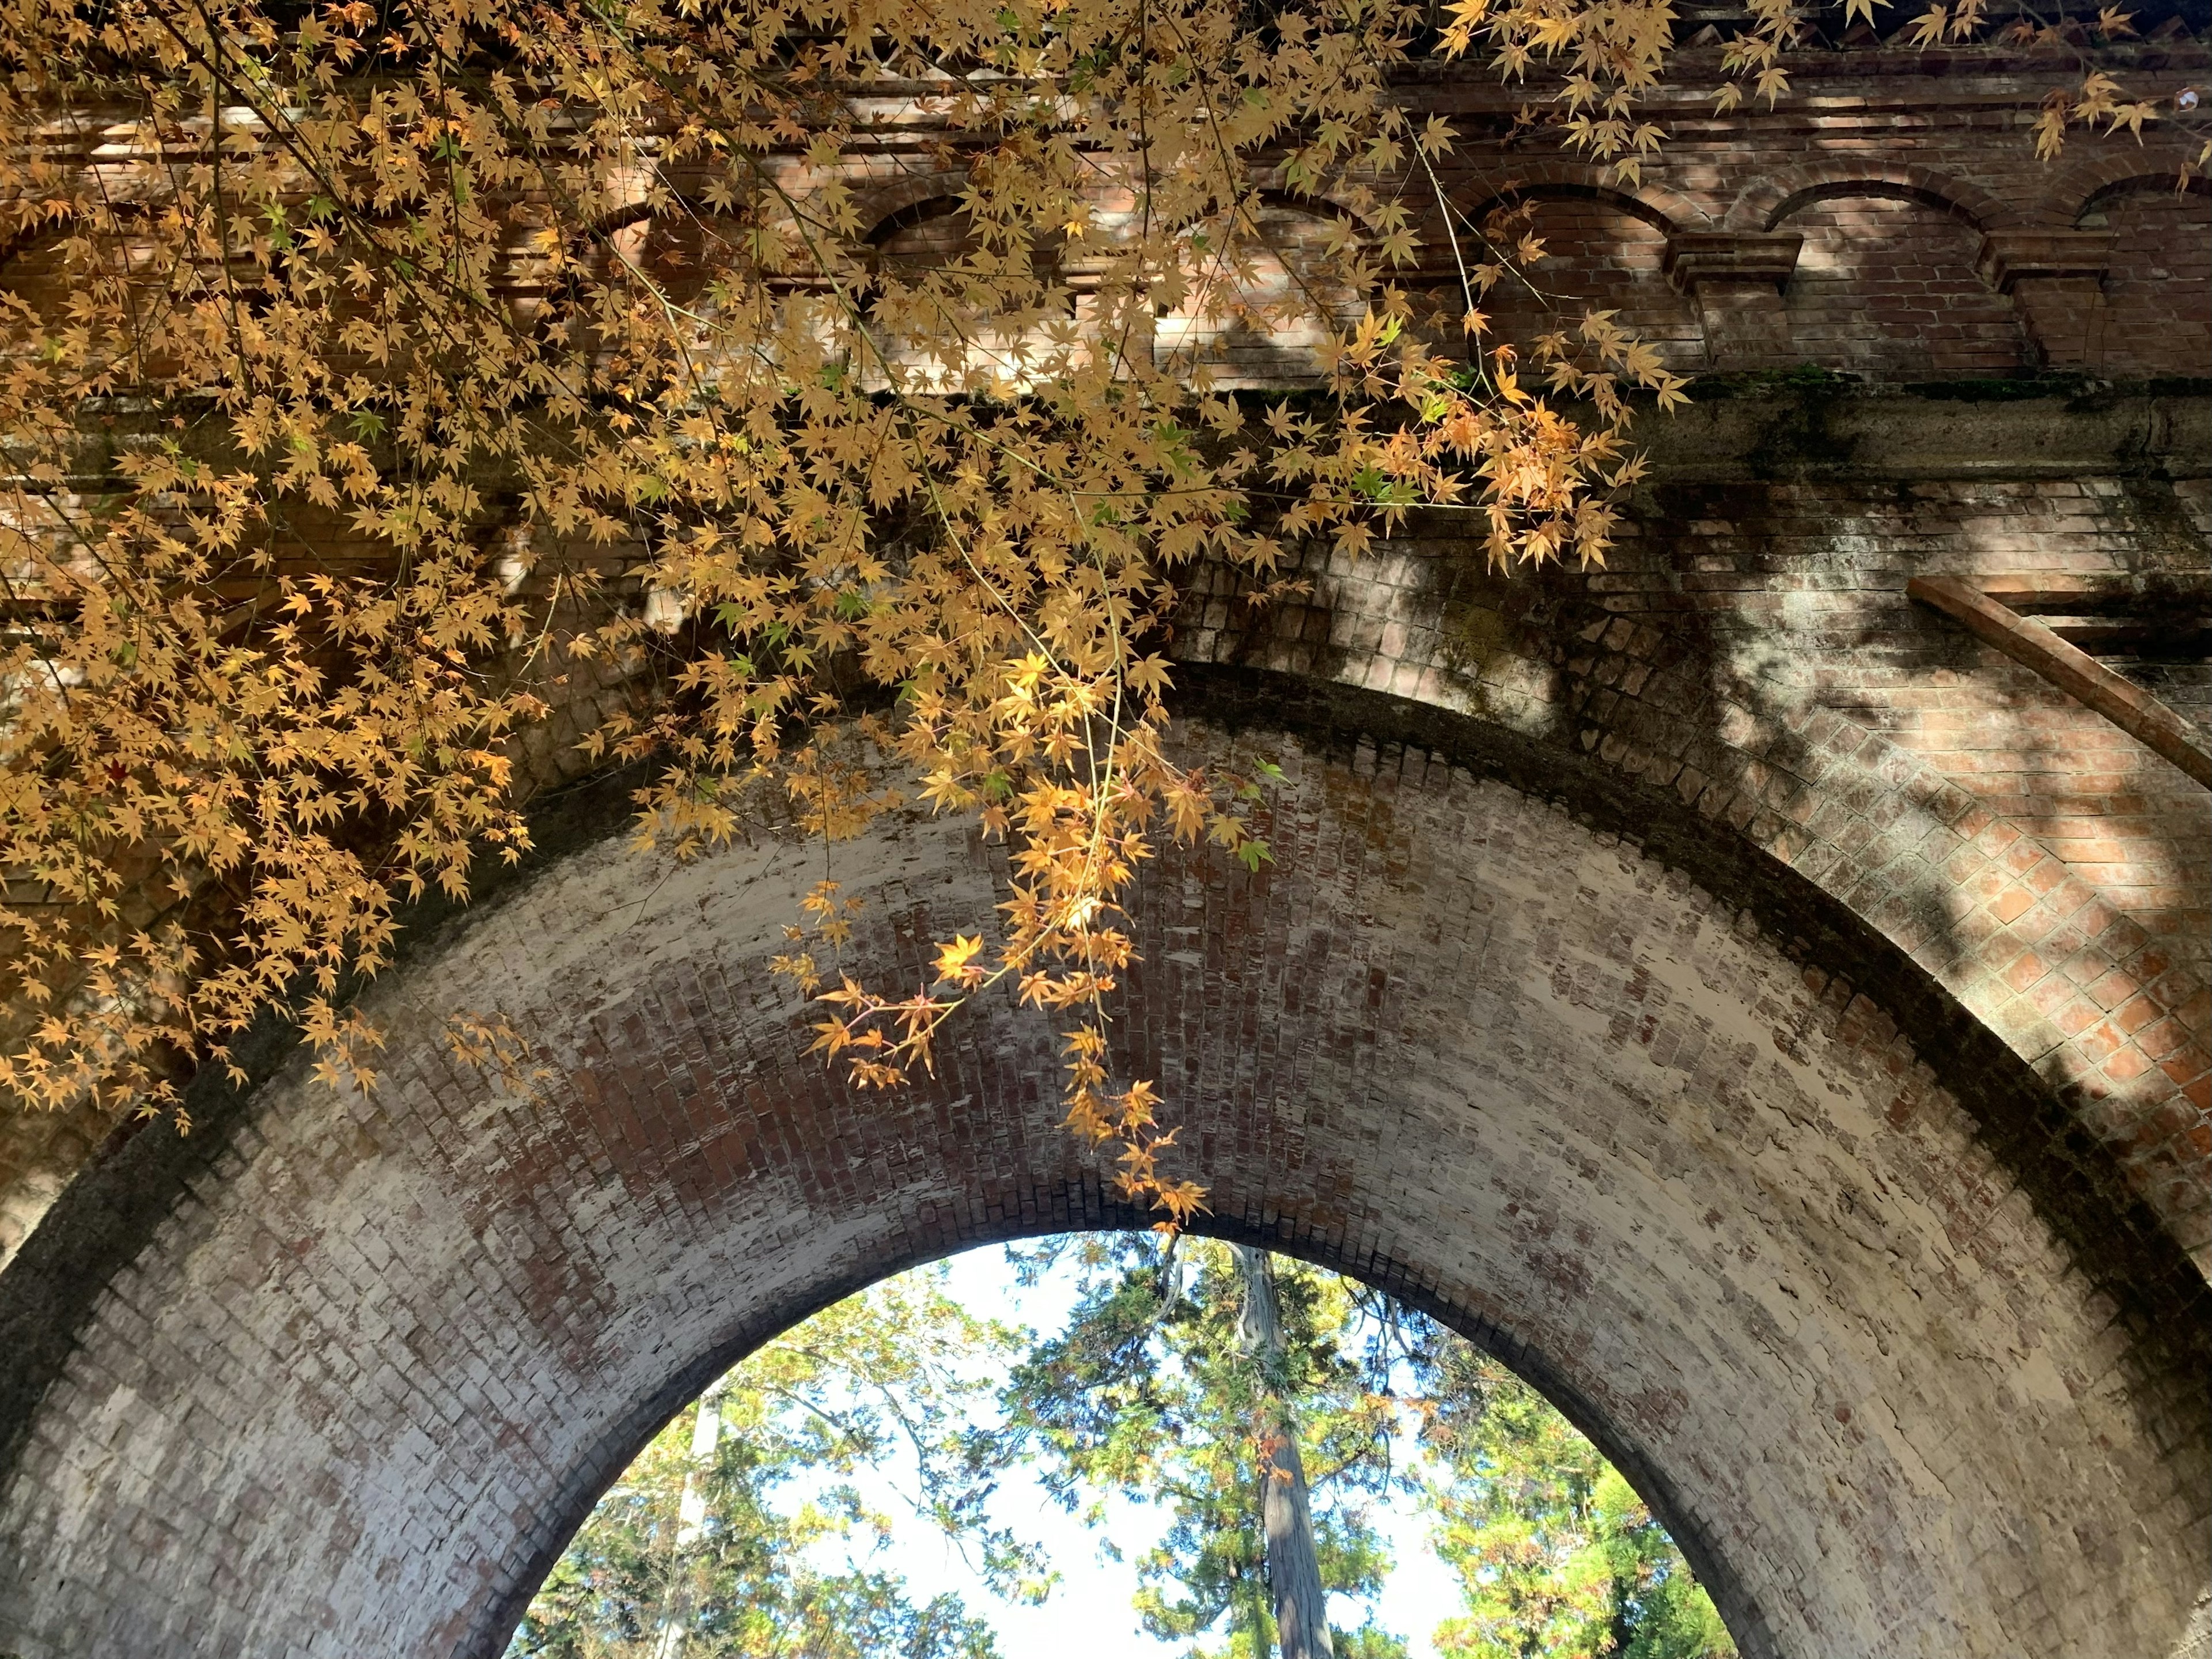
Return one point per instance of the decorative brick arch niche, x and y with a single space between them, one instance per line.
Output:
339 1377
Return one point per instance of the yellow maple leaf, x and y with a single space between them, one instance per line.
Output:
954 960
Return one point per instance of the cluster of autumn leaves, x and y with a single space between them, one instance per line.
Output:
375 380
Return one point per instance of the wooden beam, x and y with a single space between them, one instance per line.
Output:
2148 596
2076 672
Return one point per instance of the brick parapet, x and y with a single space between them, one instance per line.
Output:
1941 136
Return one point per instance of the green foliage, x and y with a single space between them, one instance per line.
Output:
1558 1556
1148 1395
739 1547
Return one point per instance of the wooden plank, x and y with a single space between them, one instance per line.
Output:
2076 672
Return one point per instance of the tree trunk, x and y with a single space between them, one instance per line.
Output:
1286 1510
690 1522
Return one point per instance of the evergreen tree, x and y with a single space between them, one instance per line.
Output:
1558 1556
1264 1405
1190 1375
1294 1581
1161 1390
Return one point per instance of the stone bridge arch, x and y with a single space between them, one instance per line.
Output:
1638 1108
1750 653
336 1378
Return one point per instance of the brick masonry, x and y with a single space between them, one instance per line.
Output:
1773 1019
1750 650
1888 221
1792 1254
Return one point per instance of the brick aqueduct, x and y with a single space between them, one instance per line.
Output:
1766 1013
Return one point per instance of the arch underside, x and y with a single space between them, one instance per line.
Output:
369 1363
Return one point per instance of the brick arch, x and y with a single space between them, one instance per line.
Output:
952 228
1682 689
2147 315
877 206
645 220
1763 204
2092 183
1665 211
1605 248
1295 227
1904 259
1275 186
339 1376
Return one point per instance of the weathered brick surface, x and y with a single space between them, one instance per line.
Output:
1750 650
1603 252
1909 263
1790 1260
1849 1218
2148 317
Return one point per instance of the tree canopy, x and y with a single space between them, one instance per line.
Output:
1558 1555
380 380
1153 1391
1151 1395
740 1530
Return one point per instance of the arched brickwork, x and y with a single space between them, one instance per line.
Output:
875 204
1747 670
1238 350
351 1370
2149 316
1659 205
1770 198
1750 651
1605 251
932 232
2097 174
1905 262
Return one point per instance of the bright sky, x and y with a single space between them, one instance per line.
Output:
1093 1597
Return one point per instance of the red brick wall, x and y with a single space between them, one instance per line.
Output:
2154 316
1238 347
1599 257
1886 286
930 233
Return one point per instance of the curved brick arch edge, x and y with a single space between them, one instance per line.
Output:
2080 1190
1098 1212
103 1218
99 1226
2092 183
108 1215
1763 204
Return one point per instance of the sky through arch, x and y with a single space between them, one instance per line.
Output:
1421 1604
